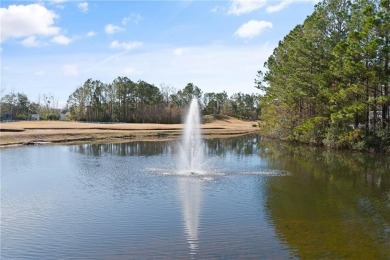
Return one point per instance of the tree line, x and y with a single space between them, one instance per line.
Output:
17 106
124 100
328 80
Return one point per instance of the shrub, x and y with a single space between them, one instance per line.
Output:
312 130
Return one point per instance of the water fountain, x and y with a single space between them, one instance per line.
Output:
190 164
191 145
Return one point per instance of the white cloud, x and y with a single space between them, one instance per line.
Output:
83 6
132 18
278 7
252 29
19 21
127 46
284 3
111 29
58 1
70 70
179 51
58 4
61 39
239 7
91 34
30 42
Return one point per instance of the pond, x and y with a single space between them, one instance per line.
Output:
256 199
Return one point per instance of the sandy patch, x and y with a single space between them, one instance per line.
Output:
30 132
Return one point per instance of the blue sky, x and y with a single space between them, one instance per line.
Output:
53 47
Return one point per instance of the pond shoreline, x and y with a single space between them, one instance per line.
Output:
47 132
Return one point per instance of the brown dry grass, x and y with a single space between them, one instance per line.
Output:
30 132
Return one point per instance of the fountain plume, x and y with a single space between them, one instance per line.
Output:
191 145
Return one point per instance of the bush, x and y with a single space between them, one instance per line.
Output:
358 139
52 116
344 137
377 141
312 130
20 117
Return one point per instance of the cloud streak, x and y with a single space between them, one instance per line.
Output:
112 29
240 7
127 46
132 18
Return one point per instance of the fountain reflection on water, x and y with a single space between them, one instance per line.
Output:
190 192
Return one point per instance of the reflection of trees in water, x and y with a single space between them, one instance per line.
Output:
124 149
331 165
243 145
333 205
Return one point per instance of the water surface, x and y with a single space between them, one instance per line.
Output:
256 199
